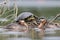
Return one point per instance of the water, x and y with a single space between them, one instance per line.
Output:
49 34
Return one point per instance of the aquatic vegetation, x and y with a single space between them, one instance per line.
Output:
8 13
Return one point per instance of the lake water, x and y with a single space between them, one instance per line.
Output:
49 34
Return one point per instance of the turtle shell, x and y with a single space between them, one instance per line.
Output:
23 15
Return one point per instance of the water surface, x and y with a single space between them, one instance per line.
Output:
49 34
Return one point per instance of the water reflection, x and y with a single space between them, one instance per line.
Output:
51 38
49 34
19 38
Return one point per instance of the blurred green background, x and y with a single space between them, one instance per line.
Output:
48 12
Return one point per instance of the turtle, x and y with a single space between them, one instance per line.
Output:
23 15
27 16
